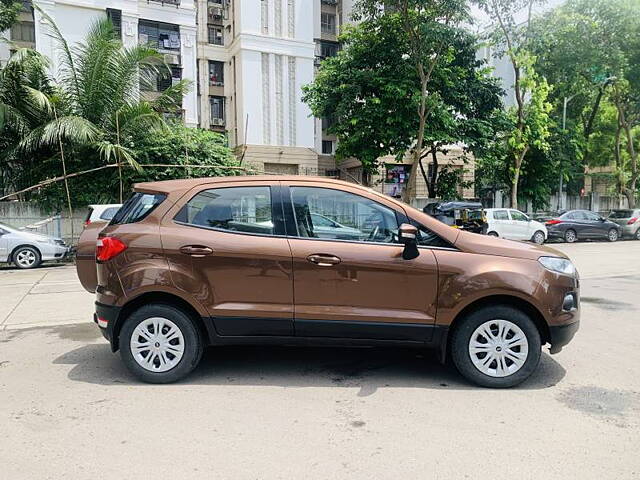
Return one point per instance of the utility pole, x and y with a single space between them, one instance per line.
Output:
564 128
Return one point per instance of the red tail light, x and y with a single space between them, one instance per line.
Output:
632 221
109 247
553 222
87 222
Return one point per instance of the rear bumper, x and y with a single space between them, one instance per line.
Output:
106 317
562 334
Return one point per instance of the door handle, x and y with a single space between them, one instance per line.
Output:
323 260
196 250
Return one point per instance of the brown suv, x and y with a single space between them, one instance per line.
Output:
296 260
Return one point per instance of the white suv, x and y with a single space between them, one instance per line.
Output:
514 225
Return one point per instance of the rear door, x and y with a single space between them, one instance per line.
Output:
502 223
227 248
362 287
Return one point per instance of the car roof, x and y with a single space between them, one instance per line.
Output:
166 186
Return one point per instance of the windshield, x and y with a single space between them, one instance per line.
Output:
6 226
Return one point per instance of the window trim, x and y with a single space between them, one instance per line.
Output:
275 200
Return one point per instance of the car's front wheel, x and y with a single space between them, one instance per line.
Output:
27 257
613 235
497 347
538 237
160 343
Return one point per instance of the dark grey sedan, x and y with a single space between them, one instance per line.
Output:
577 225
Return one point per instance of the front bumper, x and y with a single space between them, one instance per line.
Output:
562 334
106 317
54 252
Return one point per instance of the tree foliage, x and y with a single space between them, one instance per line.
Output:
373 95
9 11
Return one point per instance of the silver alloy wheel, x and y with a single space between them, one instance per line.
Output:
538 238
570 236
613 235
498 348
157 344
26 258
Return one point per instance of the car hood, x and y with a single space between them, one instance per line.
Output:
488 245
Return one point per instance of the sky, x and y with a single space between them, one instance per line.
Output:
483 19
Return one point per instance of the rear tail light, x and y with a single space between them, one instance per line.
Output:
109 247
632 221
87 222
553 222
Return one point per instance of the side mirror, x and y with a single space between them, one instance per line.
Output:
408 236
602 219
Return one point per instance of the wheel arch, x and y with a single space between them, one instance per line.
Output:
157 297
509 300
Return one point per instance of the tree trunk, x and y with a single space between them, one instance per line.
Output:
630 189
433 180
516 177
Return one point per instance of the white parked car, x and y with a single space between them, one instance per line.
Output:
101 213
514 225
29 249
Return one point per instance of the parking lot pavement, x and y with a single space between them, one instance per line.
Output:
69 409
50 295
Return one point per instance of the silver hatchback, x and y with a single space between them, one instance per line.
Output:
27 249
629 220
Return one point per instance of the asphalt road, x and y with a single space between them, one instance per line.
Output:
68 408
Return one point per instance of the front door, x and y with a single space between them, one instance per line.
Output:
352 282
520 225
226 247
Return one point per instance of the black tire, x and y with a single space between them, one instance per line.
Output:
32 252
538 237
570 236
493 234
193 344
613 235
637 235
464 331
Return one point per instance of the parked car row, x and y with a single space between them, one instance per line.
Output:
512 224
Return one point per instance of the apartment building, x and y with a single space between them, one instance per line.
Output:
248 60
168 25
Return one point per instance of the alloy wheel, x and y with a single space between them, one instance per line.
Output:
26 258
498 348
613 235
570 236
157 344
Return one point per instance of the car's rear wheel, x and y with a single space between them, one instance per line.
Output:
160 343
538 237
27 257
570 236
493 234
613 235
497 347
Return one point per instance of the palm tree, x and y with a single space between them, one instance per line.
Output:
24 105
98 103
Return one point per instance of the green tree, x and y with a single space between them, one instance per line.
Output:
9 11
530 115
373 94
97 105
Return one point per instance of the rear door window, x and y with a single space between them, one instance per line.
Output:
500 215
137 207
233 209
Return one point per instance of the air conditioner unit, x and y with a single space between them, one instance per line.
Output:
172 59
218 122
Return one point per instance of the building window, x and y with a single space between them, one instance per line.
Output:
163 36
217 110
215 14
328 23
216 73
23 32
327 147
115 16
328 49
216 35
327 123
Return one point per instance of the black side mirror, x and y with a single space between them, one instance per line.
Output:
408 236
